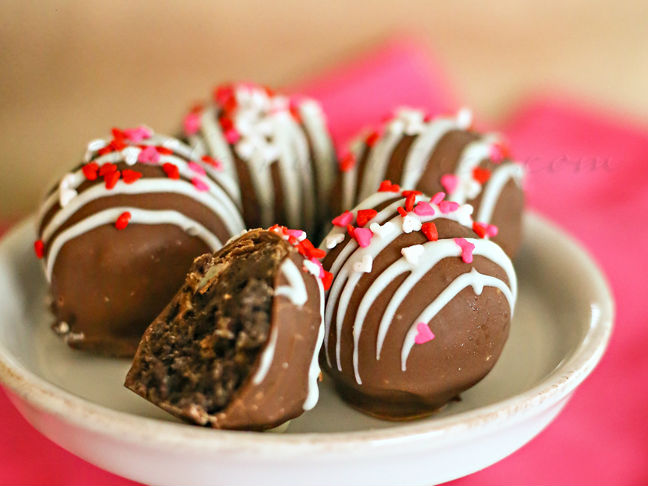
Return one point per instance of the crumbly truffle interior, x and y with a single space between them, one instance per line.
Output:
205 347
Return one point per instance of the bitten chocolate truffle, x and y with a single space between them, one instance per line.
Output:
420 306
237 347
277 147
119 232
444 153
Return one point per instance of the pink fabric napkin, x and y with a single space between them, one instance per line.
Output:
588 171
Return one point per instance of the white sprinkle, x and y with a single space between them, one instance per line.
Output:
412 253
364 265
65 196
464 118
383 230
62 328
312 268
130 155
411 223
96 144
245 148
74 337
334 240
67 181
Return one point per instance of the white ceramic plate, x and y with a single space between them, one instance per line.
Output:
561 327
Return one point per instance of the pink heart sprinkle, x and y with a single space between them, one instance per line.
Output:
138 134
492 230
196 167
191 123
149 155
199 184
362 236
437 198
424 333
449 182
466 249
343 219
296 233
448 206
232 136
424 209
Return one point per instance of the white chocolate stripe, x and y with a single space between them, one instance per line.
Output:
314 370
307 180
138 216
217 145
225 207
378 243
315 125
467 187
265 361
261 178
350 177
228 215
422 149
379 157
494 186
295 291
473 278
434 252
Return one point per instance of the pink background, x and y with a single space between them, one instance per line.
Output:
588 171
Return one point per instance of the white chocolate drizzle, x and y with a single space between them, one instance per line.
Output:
428 135
265 361
295 291
387 225
139 216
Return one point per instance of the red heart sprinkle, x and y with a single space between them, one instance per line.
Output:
111 179
409 202
388 186
171 170
479 228
163 150
372 138
39 248
107 168
327 280
347 162
365 215
90 171
129 176
481 175
122 220
429 229
118 134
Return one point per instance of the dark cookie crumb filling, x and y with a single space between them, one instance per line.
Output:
202 348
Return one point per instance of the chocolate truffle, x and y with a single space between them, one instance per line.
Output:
420 306
237 347
278 148
119 232
439 154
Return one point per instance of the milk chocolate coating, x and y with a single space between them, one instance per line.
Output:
245 170
470 332
108 284
250 404
507 214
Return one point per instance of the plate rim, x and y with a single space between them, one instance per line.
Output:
126 427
